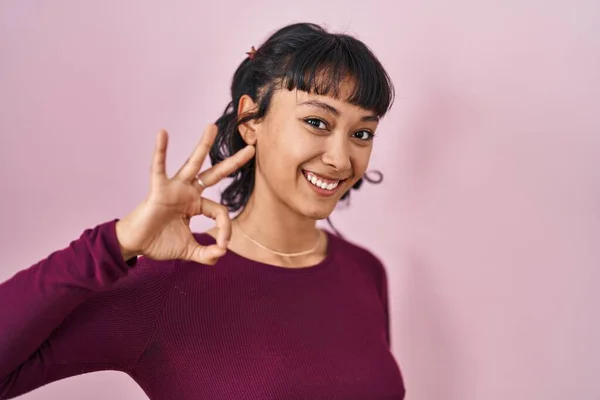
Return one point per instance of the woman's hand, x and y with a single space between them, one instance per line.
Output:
158 228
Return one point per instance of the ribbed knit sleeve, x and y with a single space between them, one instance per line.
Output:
81 309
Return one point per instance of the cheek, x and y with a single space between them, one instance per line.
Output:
290 150
280 153
360 161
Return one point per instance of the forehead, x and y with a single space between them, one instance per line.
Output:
298 100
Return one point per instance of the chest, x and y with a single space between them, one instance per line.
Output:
292 341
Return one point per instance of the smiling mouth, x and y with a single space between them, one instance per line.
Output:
323 185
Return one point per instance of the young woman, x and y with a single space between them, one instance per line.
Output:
266 306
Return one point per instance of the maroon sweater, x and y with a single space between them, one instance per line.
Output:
237 330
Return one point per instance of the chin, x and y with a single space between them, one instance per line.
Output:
317 211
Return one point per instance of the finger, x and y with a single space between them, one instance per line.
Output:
207 255
220 214
192 166
226 167
158 167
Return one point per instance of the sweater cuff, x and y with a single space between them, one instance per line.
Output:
114 248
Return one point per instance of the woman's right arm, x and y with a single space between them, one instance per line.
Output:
35 302
82 295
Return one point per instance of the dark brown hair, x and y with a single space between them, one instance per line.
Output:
305 57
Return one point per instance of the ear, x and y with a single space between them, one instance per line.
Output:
248 129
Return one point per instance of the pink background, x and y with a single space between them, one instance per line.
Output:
489 218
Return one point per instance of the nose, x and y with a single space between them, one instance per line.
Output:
337 153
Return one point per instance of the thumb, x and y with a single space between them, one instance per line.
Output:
207 255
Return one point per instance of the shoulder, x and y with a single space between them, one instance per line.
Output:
147 277
353 249
358 253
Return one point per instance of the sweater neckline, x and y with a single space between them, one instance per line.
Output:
232 256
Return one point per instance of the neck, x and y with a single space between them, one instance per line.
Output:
276 227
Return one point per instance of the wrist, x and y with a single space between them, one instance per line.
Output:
121 230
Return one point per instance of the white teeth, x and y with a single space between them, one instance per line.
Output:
320 183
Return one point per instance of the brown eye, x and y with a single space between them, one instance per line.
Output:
316 123
364 135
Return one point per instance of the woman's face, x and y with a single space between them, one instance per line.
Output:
311 149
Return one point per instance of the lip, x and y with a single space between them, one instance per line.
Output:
329 178
320 191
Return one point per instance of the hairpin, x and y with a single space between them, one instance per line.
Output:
251 53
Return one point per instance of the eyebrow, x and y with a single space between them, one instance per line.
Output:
332 110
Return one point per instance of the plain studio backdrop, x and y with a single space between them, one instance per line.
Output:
488 220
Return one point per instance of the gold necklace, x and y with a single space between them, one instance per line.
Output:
298 254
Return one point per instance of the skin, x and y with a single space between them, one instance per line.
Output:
301 132
158 228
